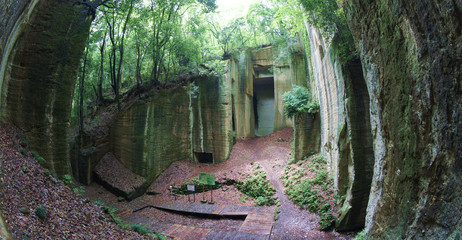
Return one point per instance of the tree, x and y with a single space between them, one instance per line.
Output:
226 35
114 21
99 93
327 16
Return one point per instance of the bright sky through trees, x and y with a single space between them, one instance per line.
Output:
232 9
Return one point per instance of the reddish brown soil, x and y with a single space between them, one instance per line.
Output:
25 185
270 154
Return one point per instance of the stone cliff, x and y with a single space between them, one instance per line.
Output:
411 53
40 46
191 121
346 137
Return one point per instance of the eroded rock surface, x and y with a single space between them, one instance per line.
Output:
41 46
411 53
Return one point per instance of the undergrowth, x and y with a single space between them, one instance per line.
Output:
257 186
361 235
307 184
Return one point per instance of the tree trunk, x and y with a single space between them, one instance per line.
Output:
82 91
99 94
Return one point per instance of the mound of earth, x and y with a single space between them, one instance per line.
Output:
26 187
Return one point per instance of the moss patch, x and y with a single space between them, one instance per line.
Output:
308 185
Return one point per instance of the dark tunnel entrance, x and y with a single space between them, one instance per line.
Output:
204 157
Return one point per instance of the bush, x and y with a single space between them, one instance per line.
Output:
41 212
259 188
68 180
298 101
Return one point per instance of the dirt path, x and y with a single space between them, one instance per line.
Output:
293 222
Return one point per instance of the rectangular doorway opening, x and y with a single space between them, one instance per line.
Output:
263 92
203 157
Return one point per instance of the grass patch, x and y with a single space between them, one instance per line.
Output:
277 211
307 184
257 186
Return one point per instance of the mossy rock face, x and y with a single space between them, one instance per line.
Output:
412 52
39 76
307 135
149 136
174 124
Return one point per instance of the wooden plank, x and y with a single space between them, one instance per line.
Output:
182 232
198 233
222 235
171 230
190 208
218 211
232 235
234 214
258 223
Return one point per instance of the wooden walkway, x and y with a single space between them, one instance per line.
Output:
208 209
257 225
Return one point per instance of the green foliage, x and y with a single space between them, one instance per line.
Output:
327 16
25 211
361 235
39 159
68 180
79 190
160 236
258 187
141 229
276 210
311 192
183 189
98 202
457 235
41 212
298 101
